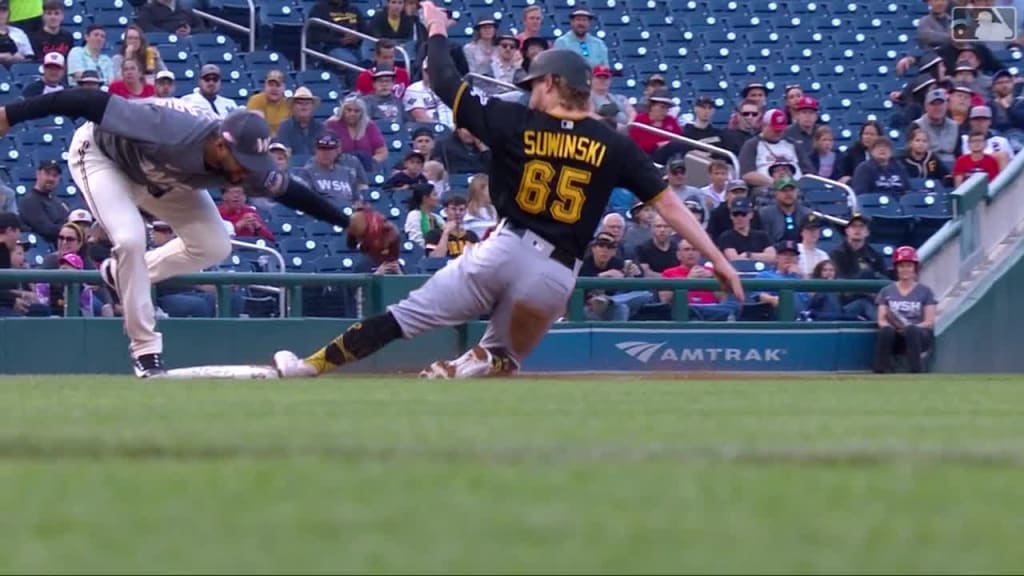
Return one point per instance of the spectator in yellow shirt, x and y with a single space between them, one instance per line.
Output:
270 102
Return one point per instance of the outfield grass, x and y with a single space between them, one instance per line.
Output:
374 475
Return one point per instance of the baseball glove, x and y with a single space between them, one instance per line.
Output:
374 236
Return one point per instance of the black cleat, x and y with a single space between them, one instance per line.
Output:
149 366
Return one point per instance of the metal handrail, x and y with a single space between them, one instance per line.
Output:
851 196
280 260
494 81
251 30
691 142
305 49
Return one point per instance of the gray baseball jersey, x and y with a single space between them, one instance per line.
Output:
341 183
160 143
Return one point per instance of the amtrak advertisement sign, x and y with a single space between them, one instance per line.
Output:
667 350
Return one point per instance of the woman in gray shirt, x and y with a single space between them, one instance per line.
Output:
906 315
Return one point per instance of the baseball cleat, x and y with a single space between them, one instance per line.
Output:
149 366
440 370
289 365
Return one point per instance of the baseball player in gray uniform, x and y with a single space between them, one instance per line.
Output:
161 155
554 168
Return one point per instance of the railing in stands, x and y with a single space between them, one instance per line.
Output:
380 294
282 301
693 143
250 31
305 50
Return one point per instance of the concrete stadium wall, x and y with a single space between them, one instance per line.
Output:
982 335
98 346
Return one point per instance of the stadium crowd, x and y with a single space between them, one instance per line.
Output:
373 131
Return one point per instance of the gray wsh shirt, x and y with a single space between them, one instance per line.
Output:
910 307
340 183
160 143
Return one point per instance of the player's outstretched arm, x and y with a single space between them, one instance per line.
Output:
297 194
445 80
671 208
73 102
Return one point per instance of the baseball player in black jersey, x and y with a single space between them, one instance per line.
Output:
160 155
554 167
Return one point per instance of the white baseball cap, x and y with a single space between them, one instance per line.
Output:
53 59
80 214
165 75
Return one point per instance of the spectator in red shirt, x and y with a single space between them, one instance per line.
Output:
689 267
245 218
131 85
657 116
975 161
384 58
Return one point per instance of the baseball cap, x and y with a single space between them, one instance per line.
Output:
423 132
568 65
71 259
753 86
775 119
209 70
581 12
1004 73
53 59
677 164
928 60
248 137
964 66
859 217
605 238
963 89
80 215
160 225
741 205
278 146
10 220
807 103
787 246
704 101
981 112
636 206
49 165
602 71
737 185
922 82
485 22
165 75
90 77
415 154
383 71
661 95
810 222
783 183
327 140
935 95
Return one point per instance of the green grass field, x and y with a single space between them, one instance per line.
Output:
611 475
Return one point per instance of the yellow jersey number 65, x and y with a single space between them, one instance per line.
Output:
539 177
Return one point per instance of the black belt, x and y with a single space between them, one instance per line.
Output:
560 255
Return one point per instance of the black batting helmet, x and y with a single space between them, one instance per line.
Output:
566 64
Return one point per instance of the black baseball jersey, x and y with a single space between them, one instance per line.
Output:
161 142
552 175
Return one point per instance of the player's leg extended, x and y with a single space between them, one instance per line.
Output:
202 241
461 291
113 198
535 297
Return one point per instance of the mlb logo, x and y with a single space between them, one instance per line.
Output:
988 24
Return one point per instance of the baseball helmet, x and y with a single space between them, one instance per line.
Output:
905 254
566 64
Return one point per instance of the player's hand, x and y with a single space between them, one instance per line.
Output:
729 279
435 19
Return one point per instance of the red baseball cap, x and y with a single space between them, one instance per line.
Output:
807 103
775 119
602 71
